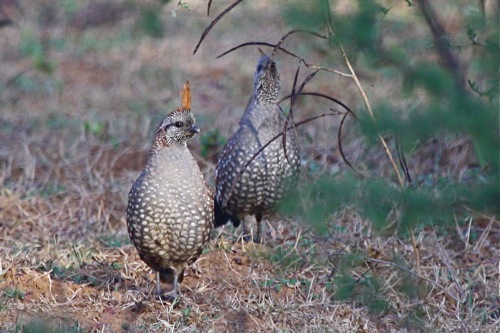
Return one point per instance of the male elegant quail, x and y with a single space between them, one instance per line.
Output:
255 190
170 208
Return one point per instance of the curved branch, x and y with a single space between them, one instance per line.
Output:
282 40
258 43
323 96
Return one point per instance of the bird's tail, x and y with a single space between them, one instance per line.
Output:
167 275
222 217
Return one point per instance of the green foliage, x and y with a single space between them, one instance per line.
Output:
367 291
436 104
100 130
150 23
307 17
446 110
378 199
211 142
94 128
287 258
13 293
185 315
31 46
279 283
70 7
320 199
40 326
115 241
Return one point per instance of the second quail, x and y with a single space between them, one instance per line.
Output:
255 190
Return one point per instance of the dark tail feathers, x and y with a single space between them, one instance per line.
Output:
167 275
222 217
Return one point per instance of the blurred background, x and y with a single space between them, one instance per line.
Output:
84 84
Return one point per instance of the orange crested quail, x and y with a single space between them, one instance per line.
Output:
255 191
170 208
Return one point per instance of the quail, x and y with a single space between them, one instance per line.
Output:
242 193
170 208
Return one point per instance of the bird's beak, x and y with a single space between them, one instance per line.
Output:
194 129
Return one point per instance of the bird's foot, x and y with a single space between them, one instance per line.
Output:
171 297
249 238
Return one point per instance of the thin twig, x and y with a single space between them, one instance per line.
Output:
282 40
323 96
319 68
290 113
282 49
404 269
258 43
208 7
388 263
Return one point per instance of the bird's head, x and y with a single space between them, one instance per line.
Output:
266 84
178 126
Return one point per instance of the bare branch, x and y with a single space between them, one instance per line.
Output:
341 150
323 96
208 7
282 40
258 43
290 113
443 49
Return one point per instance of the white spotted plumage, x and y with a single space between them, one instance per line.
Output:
170 207
270 175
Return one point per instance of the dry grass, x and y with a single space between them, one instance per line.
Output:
74 140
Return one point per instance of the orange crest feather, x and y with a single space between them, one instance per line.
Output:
186 97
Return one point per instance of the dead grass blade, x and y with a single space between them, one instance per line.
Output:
214 22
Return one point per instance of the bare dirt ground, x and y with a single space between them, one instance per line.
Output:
81 94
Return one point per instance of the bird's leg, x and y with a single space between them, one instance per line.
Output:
245 223
246 229
158 286
177 288
258 218
171 296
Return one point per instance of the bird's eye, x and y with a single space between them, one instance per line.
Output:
178 124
